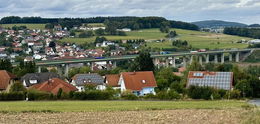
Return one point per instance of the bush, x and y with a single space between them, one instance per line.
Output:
12 96
172 94
196 92
234 94
150 96
128 96
162 95
17 87
38 95
94 95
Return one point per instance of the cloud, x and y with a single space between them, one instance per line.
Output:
246 11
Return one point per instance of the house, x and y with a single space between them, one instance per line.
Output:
35 78
139 83
6 79
53 85
219 80
255 41
112 80
3 54
80 80
28 59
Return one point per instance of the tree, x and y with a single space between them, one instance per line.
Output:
49 26
17 87
172 34
5 64
86 34
100 32
60 91
143 62
244 87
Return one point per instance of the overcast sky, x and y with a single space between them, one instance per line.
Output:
245 11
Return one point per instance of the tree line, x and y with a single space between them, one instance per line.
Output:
132 22
245 32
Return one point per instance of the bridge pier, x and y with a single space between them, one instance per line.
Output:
167 61
230 57
223 58
200 60
114 64
173 62
237 56
66 73
216 58
156 62
184 62
191 59
39 69
59 69
207 58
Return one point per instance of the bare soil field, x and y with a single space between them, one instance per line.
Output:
183 116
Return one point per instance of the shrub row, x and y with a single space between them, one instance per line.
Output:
196 92
93 95
12 96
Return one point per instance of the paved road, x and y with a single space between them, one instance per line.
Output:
255 102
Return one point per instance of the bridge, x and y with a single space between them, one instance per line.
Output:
169 59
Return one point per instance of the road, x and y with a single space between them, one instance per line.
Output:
255 102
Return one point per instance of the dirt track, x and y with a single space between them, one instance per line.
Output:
159 116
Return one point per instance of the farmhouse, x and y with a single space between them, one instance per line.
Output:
140 83
53 85
218 80
6 79
81 80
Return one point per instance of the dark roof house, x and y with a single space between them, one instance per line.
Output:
35 78
53 85
83 79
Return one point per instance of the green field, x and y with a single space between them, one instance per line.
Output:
29 26
195 38
80 106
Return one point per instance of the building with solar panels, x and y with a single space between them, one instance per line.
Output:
218 80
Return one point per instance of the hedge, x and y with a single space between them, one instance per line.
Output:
12 96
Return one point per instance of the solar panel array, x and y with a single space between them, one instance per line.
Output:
82 79
222 80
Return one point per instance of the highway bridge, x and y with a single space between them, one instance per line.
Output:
186 56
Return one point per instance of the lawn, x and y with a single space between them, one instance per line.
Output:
195 38
80 106
29 26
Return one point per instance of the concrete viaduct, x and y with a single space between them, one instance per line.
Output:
169 59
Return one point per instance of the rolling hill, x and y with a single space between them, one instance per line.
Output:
218 23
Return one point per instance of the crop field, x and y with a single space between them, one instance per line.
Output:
195 38
29 26
81 106
233 111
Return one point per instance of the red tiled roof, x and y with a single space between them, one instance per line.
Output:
139 80
5 78
53 85
191 74
112 80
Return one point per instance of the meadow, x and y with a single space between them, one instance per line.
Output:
195 38
85 106
29 26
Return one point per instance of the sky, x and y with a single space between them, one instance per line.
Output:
244 11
